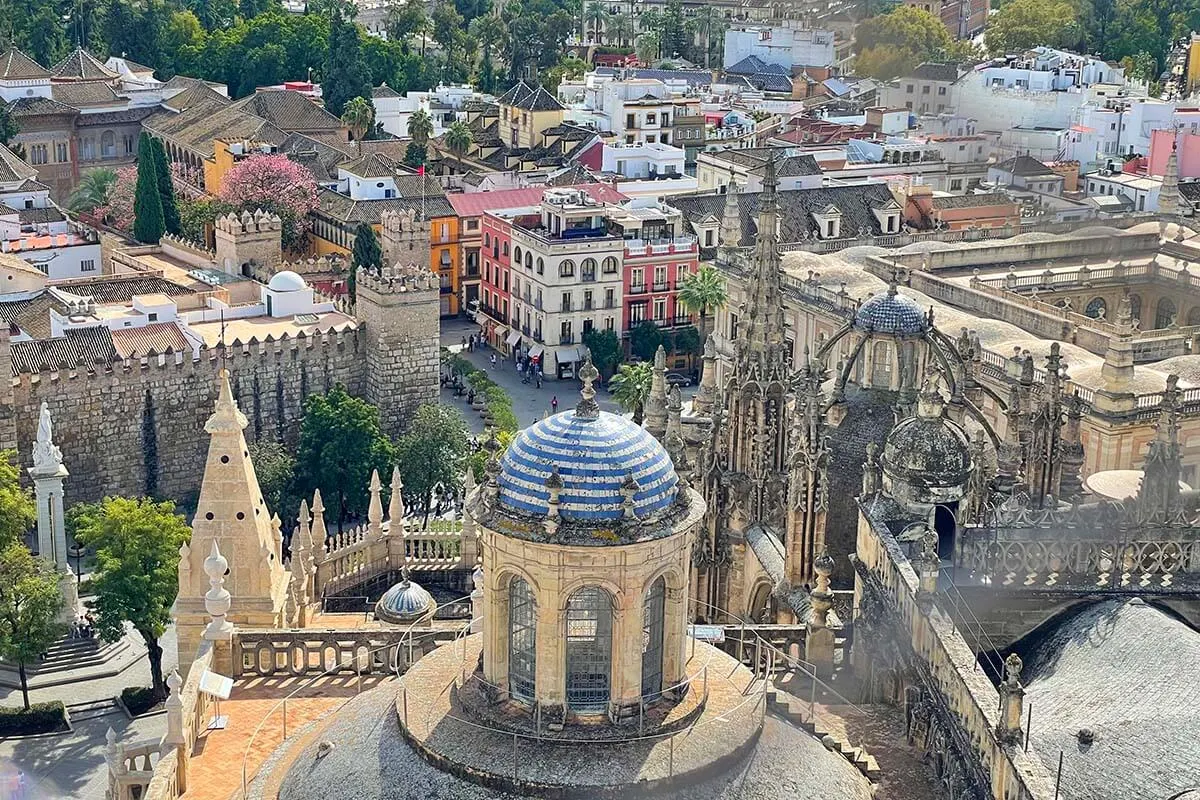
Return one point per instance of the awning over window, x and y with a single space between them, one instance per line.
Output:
514 336
536 351
568 355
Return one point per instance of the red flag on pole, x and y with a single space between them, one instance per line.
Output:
421 170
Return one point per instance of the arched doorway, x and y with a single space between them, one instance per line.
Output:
589 650
522 640
1166 313
945 525
760 604
652 640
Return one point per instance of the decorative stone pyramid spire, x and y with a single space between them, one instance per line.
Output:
1168 195
1159 491
673 436
656 402
730 233
708 394
232 516
396 504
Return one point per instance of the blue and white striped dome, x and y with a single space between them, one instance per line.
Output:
892 312
594 457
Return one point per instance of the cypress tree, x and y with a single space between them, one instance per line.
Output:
367 254
147 203
166 189
346 72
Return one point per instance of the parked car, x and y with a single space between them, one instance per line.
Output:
473 311
679 379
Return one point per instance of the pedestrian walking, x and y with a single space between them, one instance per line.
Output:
493 360
554 404
464 343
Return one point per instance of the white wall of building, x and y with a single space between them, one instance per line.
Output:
785 47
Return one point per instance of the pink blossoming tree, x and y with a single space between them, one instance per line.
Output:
276 184
117 209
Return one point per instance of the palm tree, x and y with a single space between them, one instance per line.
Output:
358 115
458 138
703 291
596 16
93 189
647 47
420 126
631 386
619 28
708 26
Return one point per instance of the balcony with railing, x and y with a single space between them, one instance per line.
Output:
678 245
567 305
662 286
637 288
566 338
588 276
588 305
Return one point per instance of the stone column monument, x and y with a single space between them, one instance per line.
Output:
48 473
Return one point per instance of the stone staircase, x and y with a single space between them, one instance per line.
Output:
787 706
72 660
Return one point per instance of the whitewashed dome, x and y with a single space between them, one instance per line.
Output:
286 281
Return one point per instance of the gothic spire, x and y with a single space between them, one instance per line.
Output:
1162 470
761 342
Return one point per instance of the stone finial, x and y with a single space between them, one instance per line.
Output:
217 600
226 417
656 401
47 458
872 473
396 502
554 485
319 532
174 707
375 507
930 403
588 408
629 489
1012 702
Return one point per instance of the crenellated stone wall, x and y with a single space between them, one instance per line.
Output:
137 427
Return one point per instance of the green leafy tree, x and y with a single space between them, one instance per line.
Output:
275 468
415 155
358 116
645 339
892 44
340 443
17 510
148 225
703 292
631 386
1022 24
420 127
605 348
136 543
30 605
432 453
458 138
346 75
93 189
8 126
166 189
708 26
568 68
196 217
406 19
686 341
